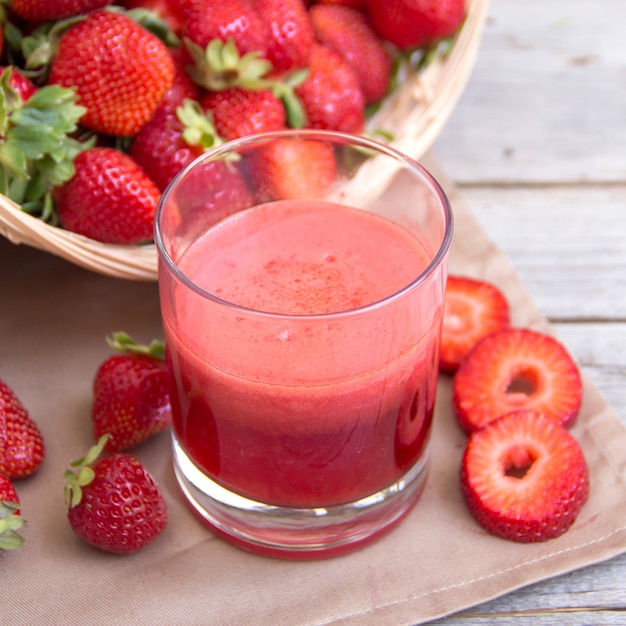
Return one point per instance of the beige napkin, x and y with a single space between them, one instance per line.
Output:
52 327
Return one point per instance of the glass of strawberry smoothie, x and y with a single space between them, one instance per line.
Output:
301 278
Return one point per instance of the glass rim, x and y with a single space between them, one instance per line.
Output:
322 135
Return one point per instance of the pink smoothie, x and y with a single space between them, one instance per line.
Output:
306 393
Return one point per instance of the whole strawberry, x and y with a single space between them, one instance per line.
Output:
331 94
119 69
131 394
10 519
412 24
239 112
21 442
52 10
284 169
172 12
237 20
113 502
348 32
289 31
23 86
109 199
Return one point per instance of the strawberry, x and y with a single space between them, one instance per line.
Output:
285 169
10 519
290 33
355 4
524 477
236 19
120 71
472 309
512 369
212 191
131 394
109 199
410 24
331 95
172 12
21 443
113 502
239 112
52 10
182 87
348 32
23 86
160 147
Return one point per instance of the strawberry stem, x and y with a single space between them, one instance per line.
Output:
123 342
75 480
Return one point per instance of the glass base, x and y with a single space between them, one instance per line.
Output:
297 533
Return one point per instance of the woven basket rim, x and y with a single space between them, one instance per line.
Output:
416 113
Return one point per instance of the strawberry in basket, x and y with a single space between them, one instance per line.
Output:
104 72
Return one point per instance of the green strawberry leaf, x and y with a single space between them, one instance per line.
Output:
37 147
76 480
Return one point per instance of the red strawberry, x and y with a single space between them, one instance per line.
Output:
160 148
109 199
331 95
52 10
212 191
131 394
355 4
24 87
172 12
348 32
21 444
10 520
119 69
239 112
524 477
113 502
182 87
236 19
512 369
472 309
285 169
290 33
412 24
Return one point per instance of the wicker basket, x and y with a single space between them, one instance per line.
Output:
415 114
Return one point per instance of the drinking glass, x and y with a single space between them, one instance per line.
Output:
301 278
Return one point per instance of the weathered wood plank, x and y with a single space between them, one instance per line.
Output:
567 243
546 101
593 595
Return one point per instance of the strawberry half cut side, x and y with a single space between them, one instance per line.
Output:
524 477
513 369
472 309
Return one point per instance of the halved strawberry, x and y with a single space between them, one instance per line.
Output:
472 309
512 369
524 477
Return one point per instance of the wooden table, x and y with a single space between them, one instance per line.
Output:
537 147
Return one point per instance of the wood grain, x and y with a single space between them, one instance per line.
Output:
537 148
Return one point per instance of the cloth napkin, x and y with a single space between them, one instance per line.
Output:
54 320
